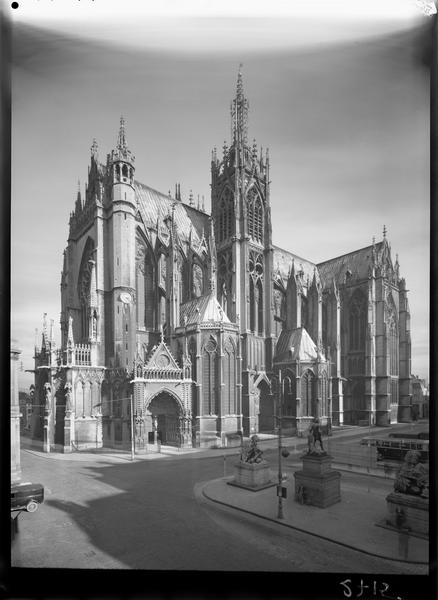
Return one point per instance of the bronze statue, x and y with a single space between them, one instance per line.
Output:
314 436
413 476
251 453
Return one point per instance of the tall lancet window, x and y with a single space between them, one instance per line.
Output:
84 287
392 329
145 282
229 395
209 379
254 208
256 320
357 322
225 226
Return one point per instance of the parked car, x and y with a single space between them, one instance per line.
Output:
26 496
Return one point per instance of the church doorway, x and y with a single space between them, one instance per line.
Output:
166 413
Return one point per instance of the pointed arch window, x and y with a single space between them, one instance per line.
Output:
225 228
357 322
308 392
392 329
229 405
254 209
145 284
209 379
84 286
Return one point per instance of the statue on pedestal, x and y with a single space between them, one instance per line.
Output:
251 453
413 476
315 435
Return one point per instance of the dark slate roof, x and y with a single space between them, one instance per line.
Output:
358 262
283 263
204 309
154 205
302 345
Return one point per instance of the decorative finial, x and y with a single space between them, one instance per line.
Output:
191 198
162 332
94 149
384 232
203 206
121 142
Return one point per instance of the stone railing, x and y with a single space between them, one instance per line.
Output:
82 354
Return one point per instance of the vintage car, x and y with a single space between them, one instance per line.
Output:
26 496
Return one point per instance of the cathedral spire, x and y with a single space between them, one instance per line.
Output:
121 140
239 112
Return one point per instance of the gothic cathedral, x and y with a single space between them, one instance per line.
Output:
177 325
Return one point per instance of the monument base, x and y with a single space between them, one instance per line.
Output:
252 476
317 484
407 513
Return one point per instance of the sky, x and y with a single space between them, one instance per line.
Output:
337 91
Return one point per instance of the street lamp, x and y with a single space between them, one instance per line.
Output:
278 385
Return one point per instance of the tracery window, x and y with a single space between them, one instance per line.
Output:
254 208
229 377
209 379
392 328
256 310
357 322
226 216
145 283
324 394
84 286
308 392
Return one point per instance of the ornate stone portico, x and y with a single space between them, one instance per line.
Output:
162 400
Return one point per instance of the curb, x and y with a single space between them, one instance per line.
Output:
343 544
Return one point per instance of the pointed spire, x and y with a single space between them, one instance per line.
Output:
122 151
161 333
239 112
51 338
121 140
384 232
94 150
203 205
212 248
36 338
191 203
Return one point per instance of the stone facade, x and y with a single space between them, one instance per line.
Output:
151 280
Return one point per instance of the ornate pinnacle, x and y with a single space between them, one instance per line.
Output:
384 232
94 148
121 141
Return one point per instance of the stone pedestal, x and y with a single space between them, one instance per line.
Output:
317 484
407 512
252 476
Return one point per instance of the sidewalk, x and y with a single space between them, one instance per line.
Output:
267 441
351 522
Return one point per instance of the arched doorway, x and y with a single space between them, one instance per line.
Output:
166 413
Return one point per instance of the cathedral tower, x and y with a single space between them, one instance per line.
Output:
241 212
120 259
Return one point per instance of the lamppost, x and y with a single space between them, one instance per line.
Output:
277 385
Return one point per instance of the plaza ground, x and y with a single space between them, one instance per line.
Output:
175 511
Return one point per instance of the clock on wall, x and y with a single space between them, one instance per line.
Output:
125 297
